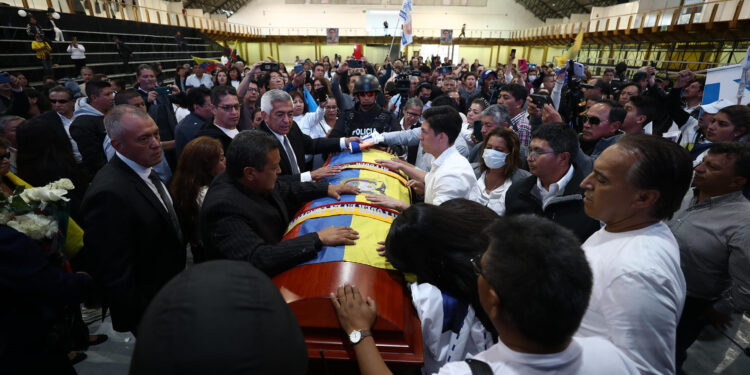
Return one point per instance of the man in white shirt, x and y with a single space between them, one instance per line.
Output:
451 176
534 288
639 288
63 107
198 78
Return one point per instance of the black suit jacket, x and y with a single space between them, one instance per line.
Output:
302 144
130 237
89 133
52 119
238 224
210 130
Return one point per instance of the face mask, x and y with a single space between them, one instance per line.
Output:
532 77
494 159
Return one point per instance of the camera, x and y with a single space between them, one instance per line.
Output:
269 67
163 90
354 63
540 100
445 70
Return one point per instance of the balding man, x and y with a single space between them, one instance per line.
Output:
132 230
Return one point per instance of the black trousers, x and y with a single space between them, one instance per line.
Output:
692 322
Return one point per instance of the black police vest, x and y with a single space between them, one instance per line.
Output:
357 125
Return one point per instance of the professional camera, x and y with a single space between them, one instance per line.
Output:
576 104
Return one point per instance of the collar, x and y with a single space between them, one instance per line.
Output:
141 171
441 159
518 117
714 201
65 120
560 184
231 133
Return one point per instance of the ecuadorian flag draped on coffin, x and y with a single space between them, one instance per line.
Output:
371 221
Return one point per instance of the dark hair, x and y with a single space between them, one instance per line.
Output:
197 160
144 67
119 82
319 64
94 87
326 83
701 82
124 97
616 111
42 102
424 69
467 74
637 87
739 115
513 160
482 103
249 149
430 242
197 96
444 100
297 94
561 138
444 119
661 165
609 70
517 91
740 151
236 70
64 89
540 273
219 92
644 106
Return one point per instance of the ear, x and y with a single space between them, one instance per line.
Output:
646 198
739 182
249 173
494 302
641 119
615 126
116 144
263 115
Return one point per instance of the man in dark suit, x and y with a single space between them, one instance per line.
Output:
125 53
130 224
277 112
247 210
226 110
61 116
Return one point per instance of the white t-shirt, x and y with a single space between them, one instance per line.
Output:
584 356
451 176
638 294
494 200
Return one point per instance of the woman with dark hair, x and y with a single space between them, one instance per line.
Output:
257 118
431 242
38 103
473 114
222 78
499 163
730 124
303 118
200 161
235 77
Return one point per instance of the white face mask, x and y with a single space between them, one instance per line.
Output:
532 78
494 159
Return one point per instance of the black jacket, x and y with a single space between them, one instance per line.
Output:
302 144
132 241
89 133
566 209
357 123
210 130
241 225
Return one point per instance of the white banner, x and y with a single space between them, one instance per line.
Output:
723 83
405 15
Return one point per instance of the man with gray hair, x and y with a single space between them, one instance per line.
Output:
247 209
132 231
278 120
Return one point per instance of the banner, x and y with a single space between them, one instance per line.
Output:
207 64
724 83
407 36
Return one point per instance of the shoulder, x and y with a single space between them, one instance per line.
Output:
600 355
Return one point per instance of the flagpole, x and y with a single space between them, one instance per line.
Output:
394 36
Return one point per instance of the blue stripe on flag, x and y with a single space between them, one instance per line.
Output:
711 93
328 253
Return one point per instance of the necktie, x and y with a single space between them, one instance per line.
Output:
291 156
167 202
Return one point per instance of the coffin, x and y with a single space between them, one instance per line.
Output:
306 288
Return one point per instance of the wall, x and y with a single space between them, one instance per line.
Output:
498 14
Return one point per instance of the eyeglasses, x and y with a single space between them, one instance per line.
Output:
228 108
535 154
592 120
413 114
331 108
62 101
252 89
476 264
372 93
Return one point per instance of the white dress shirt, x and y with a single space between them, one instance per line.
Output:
450 176
555 189
194 81
143 173
66 124
494 200
638 294
584 356
304 176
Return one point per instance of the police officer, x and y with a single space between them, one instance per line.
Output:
366 116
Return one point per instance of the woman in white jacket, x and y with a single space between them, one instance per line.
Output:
77 53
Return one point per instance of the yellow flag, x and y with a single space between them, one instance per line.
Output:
572 53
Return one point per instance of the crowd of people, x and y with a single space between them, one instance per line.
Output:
573 226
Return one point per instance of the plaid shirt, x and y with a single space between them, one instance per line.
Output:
520 124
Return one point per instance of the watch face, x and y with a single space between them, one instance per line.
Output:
355 336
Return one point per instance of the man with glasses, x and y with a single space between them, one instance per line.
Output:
553 190
366 116
534 311
61 116
226 110
601 127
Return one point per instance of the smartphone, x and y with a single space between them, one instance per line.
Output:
540 100
163 90
298 68
269 67
445 70
532 66
523 66
513 52
653 63
355 63
477 131
321 94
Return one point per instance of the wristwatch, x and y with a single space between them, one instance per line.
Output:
358 334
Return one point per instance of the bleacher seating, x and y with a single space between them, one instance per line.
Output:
150 43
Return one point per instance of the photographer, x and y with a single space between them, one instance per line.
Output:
159 107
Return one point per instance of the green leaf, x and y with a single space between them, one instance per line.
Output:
19 205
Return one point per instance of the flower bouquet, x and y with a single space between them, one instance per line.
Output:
40 213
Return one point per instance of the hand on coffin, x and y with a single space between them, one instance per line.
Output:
394 163
335 191
386 201
381 248
418 186
335 236
324 172
354 312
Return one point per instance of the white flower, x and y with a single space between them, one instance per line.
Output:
44 194
35 226
63 183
